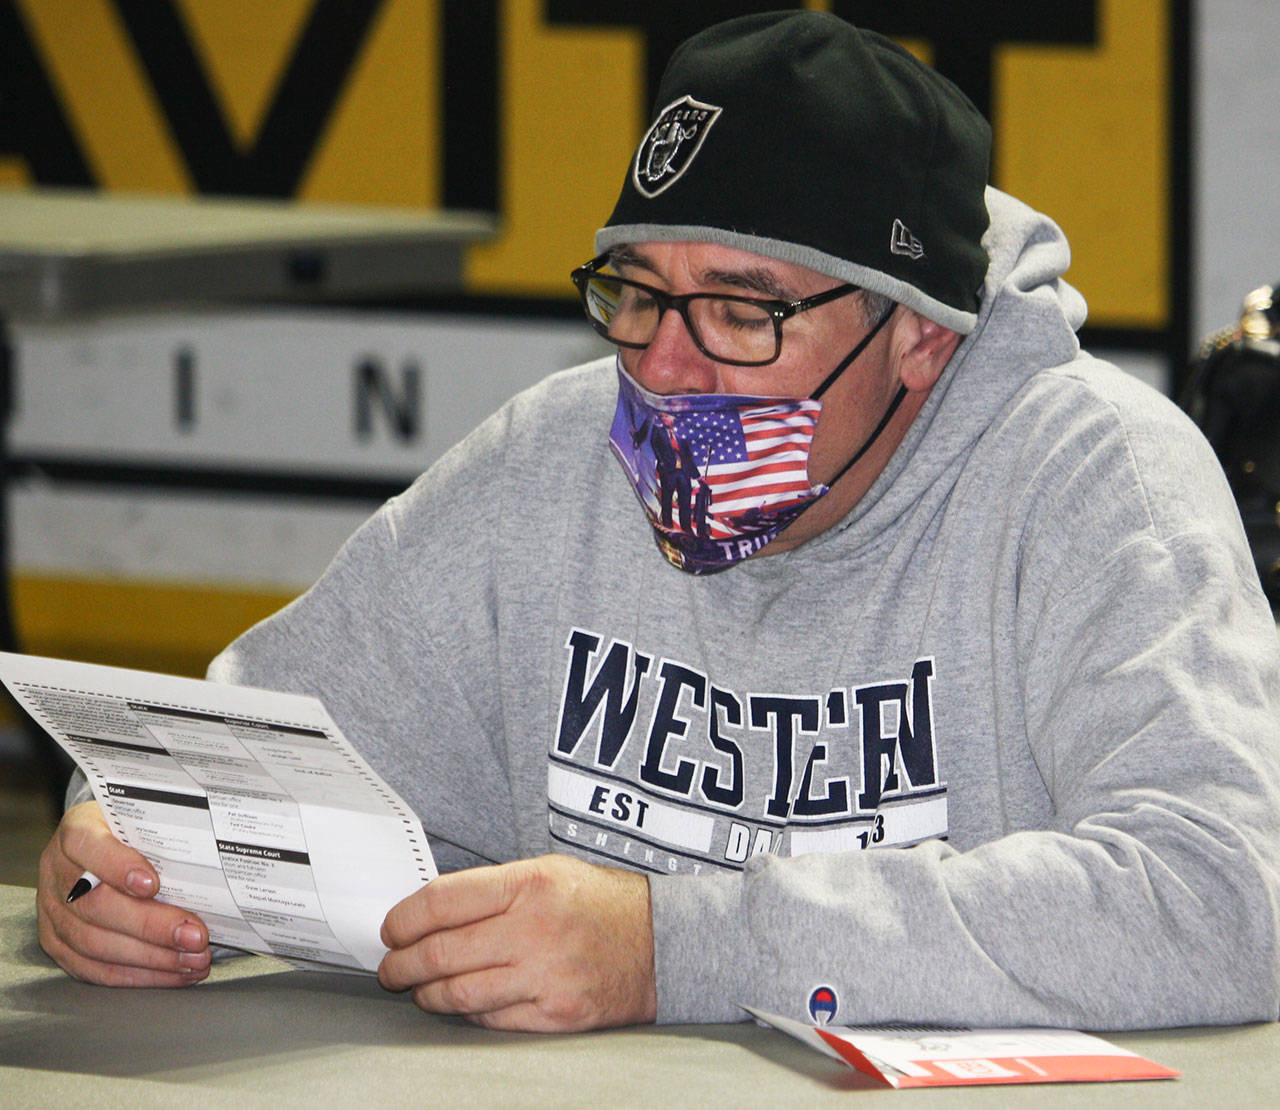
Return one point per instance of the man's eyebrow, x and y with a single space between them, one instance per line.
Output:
629 256
757 279
754 279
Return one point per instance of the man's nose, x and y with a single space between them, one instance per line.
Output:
672 363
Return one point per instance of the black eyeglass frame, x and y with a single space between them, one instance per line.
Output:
778 311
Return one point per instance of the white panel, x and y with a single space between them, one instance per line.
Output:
1236 145
275 389
252 542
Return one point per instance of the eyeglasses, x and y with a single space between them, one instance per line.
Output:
742 331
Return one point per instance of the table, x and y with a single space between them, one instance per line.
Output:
260 1033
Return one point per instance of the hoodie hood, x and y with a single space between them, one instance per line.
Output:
1026 323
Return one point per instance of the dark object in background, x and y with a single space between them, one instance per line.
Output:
1233 394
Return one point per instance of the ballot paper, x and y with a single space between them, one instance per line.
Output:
253 808
914 1056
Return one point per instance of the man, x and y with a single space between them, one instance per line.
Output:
975 721
674 468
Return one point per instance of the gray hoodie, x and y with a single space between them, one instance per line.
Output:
1001 748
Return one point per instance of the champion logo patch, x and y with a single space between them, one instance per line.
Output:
822 1005
902 242
671 144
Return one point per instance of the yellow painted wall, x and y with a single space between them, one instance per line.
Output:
175 627
1083 136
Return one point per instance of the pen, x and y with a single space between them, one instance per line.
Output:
87 881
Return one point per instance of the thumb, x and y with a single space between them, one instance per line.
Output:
89 845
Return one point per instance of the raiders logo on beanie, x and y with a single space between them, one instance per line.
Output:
797 136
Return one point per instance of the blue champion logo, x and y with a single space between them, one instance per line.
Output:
822 1005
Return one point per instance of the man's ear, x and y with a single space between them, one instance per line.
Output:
923 349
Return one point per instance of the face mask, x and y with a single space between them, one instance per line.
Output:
721 475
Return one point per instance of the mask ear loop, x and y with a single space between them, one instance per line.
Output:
830 379
898 397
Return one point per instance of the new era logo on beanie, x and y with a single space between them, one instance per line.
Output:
903 242
797 136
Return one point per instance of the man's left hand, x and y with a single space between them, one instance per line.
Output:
549 945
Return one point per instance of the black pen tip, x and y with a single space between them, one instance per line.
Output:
82 887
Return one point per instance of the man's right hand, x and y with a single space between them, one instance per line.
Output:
117 934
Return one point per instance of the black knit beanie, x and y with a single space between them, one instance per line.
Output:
798 136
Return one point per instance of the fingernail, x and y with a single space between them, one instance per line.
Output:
140 883
186 936
194 961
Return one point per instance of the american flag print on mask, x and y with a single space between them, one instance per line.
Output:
757 455
718 475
